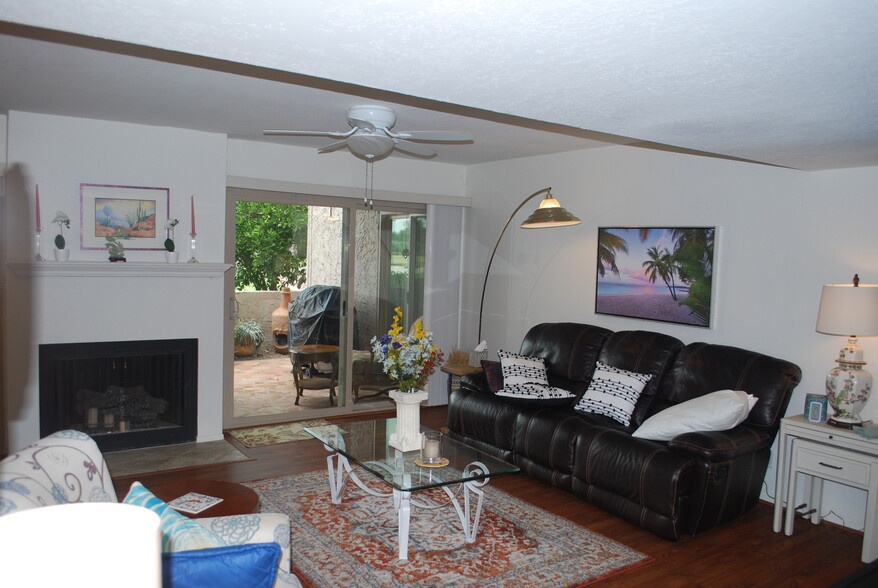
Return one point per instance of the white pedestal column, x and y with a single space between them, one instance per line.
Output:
408 420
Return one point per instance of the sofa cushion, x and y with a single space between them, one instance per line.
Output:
179 533
717 411
254 566
613 392
644 352
569 350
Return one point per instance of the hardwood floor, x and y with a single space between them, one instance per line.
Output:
745 552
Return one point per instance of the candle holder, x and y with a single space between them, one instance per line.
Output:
431 450
37 246
192 247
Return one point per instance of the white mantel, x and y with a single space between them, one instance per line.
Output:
105 269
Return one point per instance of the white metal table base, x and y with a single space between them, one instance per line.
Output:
340 471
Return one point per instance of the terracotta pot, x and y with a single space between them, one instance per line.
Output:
244 350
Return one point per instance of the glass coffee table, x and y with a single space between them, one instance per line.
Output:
364 443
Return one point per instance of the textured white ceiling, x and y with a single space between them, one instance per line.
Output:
786 82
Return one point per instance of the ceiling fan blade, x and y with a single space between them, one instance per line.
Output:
362 124
413 148
309 133
434 136
333 146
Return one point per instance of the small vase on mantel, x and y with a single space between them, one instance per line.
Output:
408 420
61 254
172 256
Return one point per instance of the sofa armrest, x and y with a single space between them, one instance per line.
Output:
722 445
254 528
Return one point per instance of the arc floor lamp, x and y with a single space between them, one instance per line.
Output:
550 214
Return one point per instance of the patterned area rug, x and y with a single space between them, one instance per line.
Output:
272 434
355 543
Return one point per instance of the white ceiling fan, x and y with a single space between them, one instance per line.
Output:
370 136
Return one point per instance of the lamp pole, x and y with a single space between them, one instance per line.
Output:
497 244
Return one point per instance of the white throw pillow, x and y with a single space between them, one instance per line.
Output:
613 392
717 411
522 369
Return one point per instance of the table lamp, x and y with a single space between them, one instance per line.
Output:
849 310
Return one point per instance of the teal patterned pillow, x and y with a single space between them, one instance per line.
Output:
179 533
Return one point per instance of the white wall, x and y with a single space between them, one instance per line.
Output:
405 176
59 153
781 235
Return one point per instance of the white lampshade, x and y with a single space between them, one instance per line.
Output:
93 544
848 310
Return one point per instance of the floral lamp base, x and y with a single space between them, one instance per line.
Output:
847 389
408 420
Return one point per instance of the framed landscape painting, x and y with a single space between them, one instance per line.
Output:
135 215
656 273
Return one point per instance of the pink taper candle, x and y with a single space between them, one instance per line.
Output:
193 214
39 224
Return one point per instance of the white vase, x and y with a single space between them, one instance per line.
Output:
61 254
408 420
172 256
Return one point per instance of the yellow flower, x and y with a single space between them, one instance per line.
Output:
396 328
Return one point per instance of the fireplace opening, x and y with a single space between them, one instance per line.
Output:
124 394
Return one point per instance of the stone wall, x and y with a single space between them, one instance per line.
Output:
258 306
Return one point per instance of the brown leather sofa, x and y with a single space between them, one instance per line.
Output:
690 484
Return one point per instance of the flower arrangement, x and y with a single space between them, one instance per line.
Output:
62 220
408 358
169 227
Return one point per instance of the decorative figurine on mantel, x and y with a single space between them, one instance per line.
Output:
171 253
116 248
61 252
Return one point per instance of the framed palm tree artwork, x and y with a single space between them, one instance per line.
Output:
656 273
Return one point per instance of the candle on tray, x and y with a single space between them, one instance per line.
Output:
431 450
193 214
109 419
123 426
39 224
92 416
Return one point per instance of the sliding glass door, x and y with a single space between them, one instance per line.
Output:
347 267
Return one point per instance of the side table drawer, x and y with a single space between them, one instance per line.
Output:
846 467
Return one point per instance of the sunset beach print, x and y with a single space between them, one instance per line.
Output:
662 274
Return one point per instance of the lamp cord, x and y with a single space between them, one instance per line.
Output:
497 244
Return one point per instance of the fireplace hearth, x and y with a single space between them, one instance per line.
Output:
125 394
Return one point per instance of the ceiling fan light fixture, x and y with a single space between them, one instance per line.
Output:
370 146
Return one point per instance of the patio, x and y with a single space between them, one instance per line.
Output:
264 386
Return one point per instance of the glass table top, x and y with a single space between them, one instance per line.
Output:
365 443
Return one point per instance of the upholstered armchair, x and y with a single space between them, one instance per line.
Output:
67 467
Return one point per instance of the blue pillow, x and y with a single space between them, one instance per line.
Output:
253 566
179 533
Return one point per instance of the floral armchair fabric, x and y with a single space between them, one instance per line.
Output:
67 466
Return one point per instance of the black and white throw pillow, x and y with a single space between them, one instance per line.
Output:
522 369
613 392
525 378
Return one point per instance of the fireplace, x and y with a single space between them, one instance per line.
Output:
125 394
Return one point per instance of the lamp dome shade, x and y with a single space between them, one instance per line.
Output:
550 214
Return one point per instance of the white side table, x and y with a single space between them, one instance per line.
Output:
830 453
